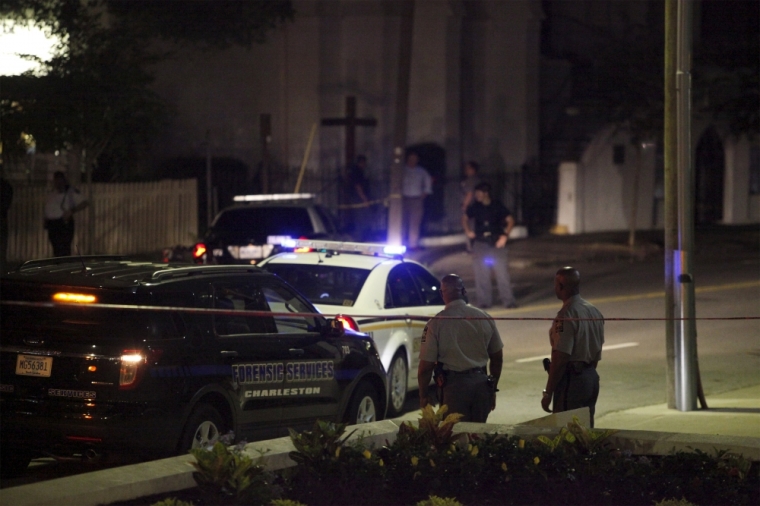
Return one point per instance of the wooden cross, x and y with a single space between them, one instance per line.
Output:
350 122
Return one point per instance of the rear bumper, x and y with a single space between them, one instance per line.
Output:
138 430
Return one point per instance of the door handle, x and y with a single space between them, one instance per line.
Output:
296 352
229 353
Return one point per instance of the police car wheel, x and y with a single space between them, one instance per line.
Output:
398 379
364 405
203 428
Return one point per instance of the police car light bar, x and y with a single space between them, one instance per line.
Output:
351 247
273 197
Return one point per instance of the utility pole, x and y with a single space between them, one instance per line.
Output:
395 208
265 133
680 327
209 179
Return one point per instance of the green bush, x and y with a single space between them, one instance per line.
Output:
227 476
579 466
429 465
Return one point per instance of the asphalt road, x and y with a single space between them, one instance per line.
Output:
633 367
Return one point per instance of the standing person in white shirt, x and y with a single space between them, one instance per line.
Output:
416 185
60 206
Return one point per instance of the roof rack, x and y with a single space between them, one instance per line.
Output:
273 197
43 262
203 269
349 247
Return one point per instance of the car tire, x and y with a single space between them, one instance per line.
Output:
14 462
203 428
398 379
364 406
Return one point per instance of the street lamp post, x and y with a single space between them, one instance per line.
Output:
679 209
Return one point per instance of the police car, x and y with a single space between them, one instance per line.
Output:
254 227
389 297
103 354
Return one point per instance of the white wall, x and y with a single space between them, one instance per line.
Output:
598 195
607 190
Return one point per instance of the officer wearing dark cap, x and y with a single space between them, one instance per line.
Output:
463 340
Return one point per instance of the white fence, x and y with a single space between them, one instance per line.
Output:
127 218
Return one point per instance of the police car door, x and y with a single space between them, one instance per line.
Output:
310 387
432 301
403 299
251 347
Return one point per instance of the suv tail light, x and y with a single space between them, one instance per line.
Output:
348 322
129 372
199 250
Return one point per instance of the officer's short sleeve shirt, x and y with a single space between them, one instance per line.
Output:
578 330
463 342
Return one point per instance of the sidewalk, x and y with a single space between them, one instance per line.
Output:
735 413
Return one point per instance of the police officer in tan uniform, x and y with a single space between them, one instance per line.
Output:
576 337
463 343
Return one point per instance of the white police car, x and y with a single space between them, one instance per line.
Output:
389 297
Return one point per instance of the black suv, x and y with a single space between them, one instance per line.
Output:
102 354
250 231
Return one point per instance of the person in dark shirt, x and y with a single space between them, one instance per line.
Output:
492 224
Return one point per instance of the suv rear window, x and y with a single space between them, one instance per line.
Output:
322 284
254 224
85 324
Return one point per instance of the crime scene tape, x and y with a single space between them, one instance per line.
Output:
245 312
385 202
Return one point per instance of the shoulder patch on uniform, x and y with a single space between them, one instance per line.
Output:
424 334
559 325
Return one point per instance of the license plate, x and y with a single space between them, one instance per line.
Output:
251 251
33 365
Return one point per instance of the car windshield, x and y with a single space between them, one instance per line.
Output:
322 284
246 225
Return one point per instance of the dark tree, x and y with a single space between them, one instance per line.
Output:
94 97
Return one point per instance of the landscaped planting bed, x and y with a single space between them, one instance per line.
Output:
579 466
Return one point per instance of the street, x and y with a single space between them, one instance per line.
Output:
633 366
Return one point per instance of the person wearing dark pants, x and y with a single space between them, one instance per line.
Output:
60 206
493 222
461 340
576 338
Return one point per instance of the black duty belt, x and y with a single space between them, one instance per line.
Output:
577 367
474 370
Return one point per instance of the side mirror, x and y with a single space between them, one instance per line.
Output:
335 327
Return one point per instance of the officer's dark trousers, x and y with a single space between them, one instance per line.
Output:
468 395
577 390
60 233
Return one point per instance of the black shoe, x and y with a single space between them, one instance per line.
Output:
513 305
